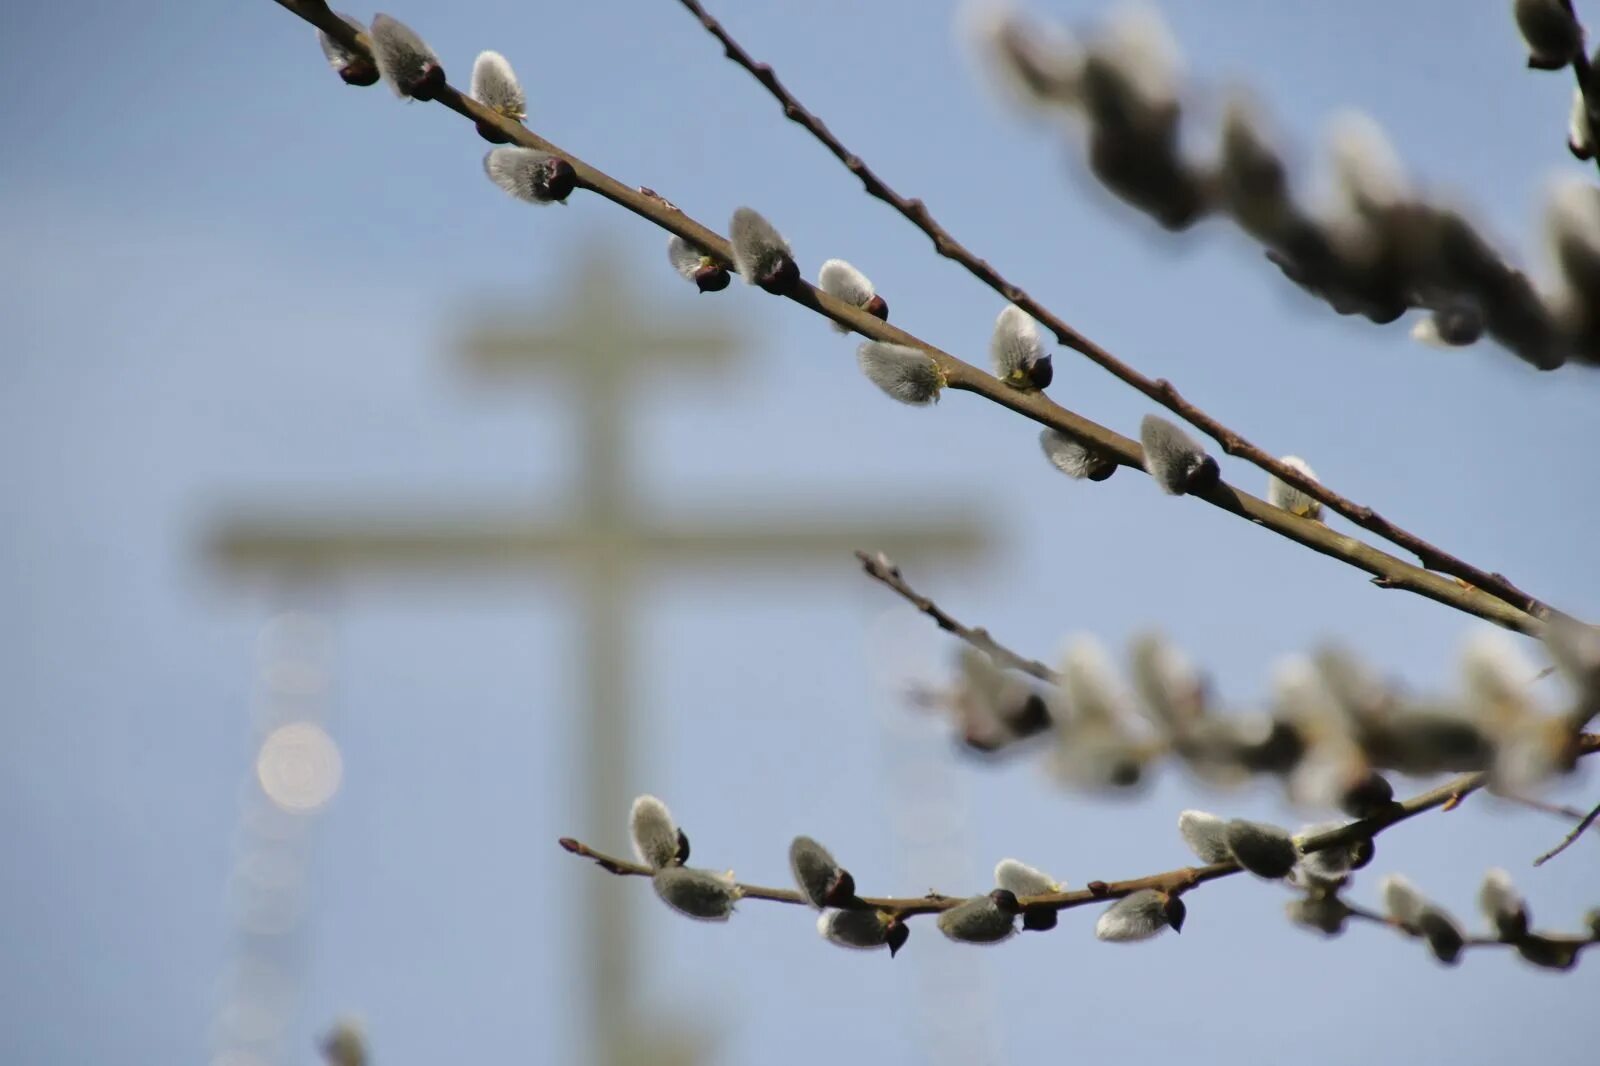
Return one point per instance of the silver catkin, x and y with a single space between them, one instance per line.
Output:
982 919
1015 346
908 374
495 86
1073 459
1023 880
814 870
760 253
1284 495
1175 461
404 59
1206 835
653 832
530 175
1139 916
702 894
842 281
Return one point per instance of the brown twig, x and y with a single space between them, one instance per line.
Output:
1567 841
1175 881
1390 571
1158 389
881 568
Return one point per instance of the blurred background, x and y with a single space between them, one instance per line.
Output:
340 566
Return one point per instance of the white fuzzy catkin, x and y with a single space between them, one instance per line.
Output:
855 928
1173 458
1015 346
1572 228
839 279
1038 64
494 85
1072 458
1206 835
1282 494
686 258
814 869
1324 913
1580 131
703 894
1401 900
980 920
1139 916
654 833
1021 879
1364 162
1550 30
1496 675
1090 682
759 250
338 55
1325 866
528 174
1139 45
1166 681
1265 850
907 374
1503 905
404 58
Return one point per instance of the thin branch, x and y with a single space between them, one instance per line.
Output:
1388 570
1560 810
1158 389
1566 842
881 568
1182 879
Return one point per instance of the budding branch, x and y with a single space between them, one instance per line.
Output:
1392 571
1175 881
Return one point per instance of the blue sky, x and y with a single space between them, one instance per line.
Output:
233 281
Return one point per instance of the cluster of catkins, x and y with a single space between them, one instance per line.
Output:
1333 724
1384 250
849 921
414 72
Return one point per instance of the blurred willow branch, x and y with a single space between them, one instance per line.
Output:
1387 570
1159 389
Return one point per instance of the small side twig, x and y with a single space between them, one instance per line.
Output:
881 568
1566 842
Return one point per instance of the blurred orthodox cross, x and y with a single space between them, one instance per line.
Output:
604 342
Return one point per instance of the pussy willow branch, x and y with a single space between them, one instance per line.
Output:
881 568
1390 572
1158 389
1448 796
1568 840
